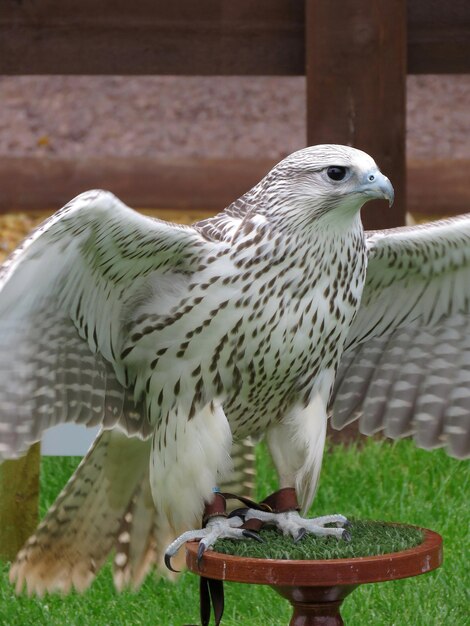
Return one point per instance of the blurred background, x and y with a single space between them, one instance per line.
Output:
174 117
195 143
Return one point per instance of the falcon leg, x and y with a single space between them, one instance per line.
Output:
296 447
283 512
216 526
291 523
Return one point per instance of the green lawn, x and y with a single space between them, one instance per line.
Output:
379 481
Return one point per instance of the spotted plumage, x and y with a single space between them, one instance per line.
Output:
179 339
405 369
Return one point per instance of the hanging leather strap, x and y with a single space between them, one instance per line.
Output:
212 591
211 594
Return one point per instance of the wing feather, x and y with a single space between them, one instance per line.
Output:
405 366
65 294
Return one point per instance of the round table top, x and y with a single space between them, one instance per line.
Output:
412 562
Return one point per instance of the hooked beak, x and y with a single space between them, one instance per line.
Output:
378 186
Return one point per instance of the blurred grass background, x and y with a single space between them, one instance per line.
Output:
378 480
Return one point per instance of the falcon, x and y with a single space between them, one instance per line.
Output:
180 339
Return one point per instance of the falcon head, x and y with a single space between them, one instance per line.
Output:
324 179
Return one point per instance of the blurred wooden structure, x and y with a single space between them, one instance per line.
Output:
355 55
19 492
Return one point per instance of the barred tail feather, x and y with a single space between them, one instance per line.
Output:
241 480
106 506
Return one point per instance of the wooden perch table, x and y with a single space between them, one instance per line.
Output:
316 588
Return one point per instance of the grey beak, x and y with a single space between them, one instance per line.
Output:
387 190
378 186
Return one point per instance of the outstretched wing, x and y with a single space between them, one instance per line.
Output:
406 367
66 294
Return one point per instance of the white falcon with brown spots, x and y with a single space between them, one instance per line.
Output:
179 339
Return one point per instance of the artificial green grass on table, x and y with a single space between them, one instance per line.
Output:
367 539
396 483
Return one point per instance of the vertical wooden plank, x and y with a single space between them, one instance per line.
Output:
19 493
19 479
356 86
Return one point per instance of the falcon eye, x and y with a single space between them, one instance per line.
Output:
336 172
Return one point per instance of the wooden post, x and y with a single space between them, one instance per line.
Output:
19 493
19 479
356 87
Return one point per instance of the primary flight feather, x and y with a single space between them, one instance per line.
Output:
179 339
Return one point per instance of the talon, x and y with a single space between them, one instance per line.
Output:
250 534
346 524
169 565
346 536
238 513
200 553
300 535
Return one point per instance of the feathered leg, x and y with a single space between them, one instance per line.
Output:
296 446
190 457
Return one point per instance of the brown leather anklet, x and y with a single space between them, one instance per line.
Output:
216 508
282 500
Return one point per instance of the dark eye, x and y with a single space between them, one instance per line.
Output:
336 172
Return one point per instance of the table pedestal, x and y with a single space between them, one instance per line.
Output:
315 606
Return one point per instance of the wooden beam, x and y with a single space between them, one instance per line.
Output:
208 37
33 184
439 187
356 82
438 36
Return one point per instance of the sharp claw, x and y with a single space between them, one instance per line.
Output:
300 535
238 513
347 524
200 553
169 565
346 536
250 534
